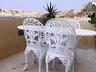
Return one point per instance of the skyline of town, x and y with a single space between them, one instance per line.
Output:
37 5
84 12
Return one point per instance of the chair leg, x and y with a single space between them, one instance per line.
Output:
40 61
46 66
26 62
67 67
39 66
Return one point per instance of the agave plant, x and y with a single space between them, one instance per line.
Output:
51 9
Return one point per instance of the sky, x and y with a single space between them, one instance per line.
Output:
37 5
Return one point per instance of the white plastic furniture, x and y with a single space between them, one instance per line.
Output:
62 43
32 21
57 22
34 33
75 23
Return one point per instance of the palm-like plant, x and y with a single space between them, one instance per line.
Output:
51 9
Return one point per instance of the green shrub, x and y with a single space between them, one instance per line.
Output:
93 19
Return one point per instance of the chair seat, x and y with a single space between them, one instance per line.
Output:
37 49
57 53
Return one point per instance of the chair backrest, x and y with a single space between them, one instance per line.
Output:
56 22
61 39
33 35
29 25
75 23
32 21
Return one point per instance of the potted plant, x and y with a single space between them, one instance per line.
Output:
51 11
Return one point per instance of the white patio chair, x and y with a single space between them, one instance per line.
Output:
75 23
57 22
61 43
34 33
32 21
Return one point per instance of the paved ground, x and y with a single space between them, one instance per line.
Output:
86 62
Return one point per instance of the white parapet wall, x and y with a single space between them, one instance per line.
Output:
86 42
10 42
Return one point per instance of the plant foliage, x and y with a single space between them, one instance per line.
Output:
51 9
93 19
93 16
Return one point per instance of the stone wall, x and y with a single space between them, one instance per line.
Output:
85 41
10 42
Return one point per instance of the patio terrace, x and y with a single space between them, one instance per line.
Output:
85 62
11 43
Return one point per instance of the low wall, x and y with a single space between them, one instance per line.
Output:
10 42
85 41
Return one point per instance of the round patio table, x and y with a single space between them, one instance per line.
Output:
79 32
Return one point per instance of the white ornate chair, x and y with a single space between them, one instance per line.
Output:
75 23
56 22
34 34
32 21
61 38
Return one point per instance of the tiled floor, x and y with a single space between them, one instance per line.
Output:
86 62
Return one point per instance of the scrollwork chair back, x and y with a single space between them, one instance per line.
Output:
62 43
32 21
34 33
75 23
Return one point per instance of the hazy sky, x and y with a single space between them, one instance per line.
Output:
37 5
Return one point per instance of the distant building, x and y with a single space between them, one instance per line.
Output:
14 12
